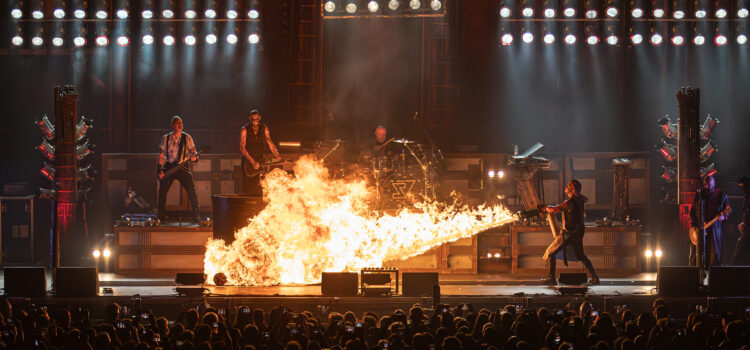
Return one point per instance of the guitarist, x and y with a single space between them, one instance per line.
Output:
709 203
255 140
175 147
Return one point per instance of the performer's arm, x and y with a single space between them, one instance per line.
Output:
191 149
271 146
558 208
243 139
160 159
725 206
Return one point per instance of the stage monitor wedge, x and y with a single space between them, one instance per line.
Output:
726 281
25 281
76 282
417 284
340 284
573 278
678 281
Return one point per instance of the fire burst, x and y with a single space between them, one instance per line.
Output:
312 224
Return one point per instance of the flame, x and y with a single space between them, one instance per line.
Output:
313 223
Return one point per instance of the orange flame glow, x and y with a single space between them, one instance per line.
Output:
312 223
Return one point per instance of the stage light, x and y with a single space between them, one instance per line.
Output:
699 40
668 129
57 41
669 174
189 40
667 151
742 39
721 12
505 12
168 40
678 40
436 5
527 37
147 14
147 39
79 13
549 38
190 14
59 13
106 253
612 12
506 39
37 14
678 14
500 174
489 255
592 40
373 6
636 39
253 14
491 174
123 41
656 39
350 8
329 6
591 14
658 253
657 7
637 12
570 39
415 4
232 39
700 13
720 40
742 13
96 253
211 39
393 5
649 253
612 40
549 13
167 13
527 8
232 14
253 38
527 12
497 255
101 14
210 13
569 12
37 41
79 41
17 40
101 41
16 13
122 14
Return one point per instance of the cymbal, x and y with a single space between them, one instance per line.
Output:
335 141
404 141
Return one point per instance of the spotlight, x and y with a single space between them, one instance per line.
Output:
189 40
57 41
231 14
106 253
570 39
253 38
527 11
123 41
742 13
210 13
37 14
190 14
232 39
373 6
17 40
742 39
122 13
148 39
699 39
393 5
147 14
700 13
668 129
656 39
506 39
709 170
350 7
549 13
59 13
669 174
720 40
79 41
253 14
591 14
497 255
168 40
592 40
329 6
668 151
167 13
491 174
658 12
721 13
436 5
527 37
489 255
649 253
415 4
16 13
79 13
211 39
569 12
658 253
612 40
678 14
96 253
37 41
612 12
637 12
636 39
500 174
101 14
549 38
101 41
505 12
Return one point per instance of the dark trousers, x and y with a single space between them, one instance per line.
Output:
251 185
576 242
713 250
185 178
742 252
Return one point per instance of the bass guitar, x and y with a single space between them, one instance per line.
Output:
247 167
695 231
181 164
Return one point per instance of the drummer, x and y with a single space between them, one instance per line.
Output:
381 145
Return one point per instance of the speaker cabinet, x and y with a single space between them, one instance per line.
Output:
25 281
184 278
724 281
339 284
416 284
678 281
76 282
573 278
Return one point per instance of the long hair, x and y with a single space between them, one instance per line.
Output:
577 186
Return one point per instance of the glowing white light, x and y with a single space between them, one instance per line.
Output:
59 13
591 14
232 39
497 255
658 13
16 13
210 13
96 253
211 39
636 39
57 41
122 13
253 14
231 14
79 13
373 6
415 4
678 40
148 39
123 40
102 40
699 40
637 12
147 14
527 12
506 39
189 40
612 12
489 255
168 40
167 13
656 39
393 5
549 13
700 13
742 13
101 14
190 14
721 13
500 173
569 12
17 40
491 174
742 39
679 14
37 14
253 38
658 253
612 40
106 253
720 40
79 41
527 37
592 40
649 253
549 38
350 7
505 12
570 39
436 5
37 41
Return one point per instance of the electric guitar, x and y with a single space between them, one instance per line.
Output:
247 167
694 231
181 164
